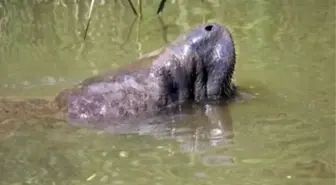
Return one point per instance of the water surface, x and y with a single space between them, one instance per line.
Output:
285 58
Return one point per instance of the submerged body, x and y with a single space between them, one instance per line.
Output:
196 68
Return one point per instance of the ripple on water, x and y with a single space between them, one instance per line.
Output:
118 182
217 160
44 81
147 160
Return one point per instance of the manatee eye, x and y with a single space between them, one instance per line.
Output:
208 28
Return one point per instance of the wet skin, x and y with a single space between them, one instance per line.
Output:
195 69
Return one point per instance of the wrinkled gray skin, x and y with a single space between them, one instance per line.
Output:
197 68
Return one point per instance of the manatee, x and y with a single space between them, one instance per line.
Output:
195 69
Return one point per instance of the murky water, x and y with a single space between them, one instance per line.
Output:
286 59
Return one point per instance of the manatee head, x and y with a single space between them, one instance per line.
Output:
199 65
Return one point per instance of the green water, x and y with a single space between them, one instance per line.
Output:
286 58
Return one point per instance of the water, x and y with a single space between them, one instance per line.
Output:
286 59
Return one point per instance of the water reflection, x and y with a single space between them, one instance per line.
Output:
197 130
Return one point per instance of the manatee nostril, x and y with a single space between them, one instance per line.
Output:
209 27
